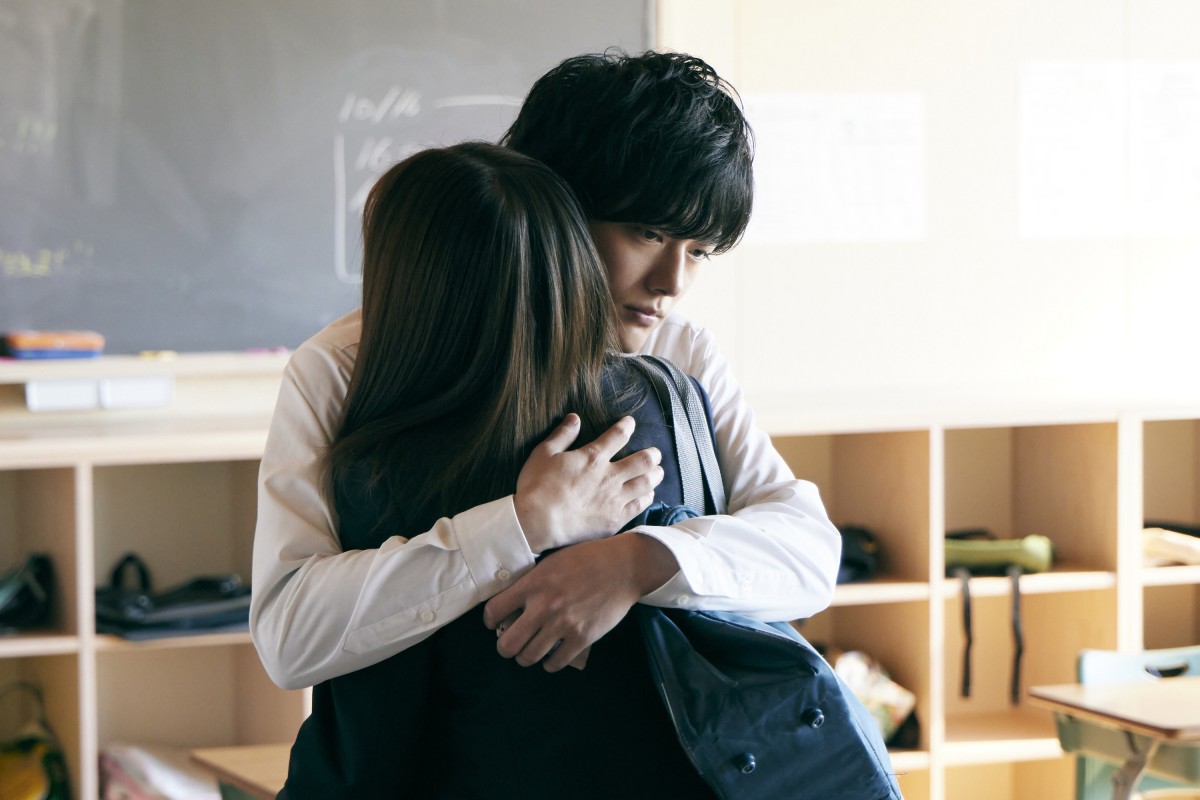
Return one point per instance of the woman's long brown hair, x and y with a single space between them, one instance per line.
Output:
486 317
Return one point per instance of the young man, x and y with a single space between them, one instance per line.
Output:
659 154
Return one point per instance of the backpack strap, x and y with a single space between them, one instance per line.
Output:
1014 572
701 431
964 578
699 470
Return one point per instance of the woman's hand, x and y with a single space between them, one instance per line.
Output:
574 596
567 496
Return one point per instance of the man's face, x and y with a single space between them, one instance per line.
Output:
648 272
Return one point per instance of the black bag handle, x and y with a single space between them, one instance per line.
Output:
130 561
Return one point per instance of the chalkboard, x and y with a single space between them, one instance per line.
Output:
190 175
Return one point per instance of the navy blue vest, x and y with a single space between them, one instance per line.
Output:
451 719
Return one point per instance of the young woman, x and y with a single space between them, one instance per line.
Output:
486 318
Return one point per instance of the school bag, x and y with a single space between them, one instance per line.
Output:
758 711
204 603
32 763
976 551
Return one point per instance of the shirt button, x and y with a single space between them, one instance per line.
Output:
502 574
427 616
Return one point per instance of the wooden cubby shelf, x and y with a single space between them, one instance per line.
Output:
177 485
1084 473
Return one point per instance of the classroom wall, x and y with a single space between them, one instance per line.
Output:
1013 193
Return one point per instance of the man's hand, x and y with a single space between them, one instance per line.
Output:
574 596
568 496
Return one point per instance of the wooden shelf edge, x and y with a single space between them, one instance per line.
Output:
40 644
1171 576
1000 737
871 592
184 445
219 364
115 644
1056 580
909 760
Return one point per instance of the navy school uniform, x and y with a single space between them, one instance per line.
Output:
449 718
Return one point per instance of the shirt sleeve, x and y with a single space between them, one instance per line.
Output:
318 612
774 555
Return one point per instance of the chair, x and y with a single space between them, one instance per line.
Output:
1101 750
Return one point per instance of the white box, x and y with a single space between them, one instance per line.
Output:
142 391
64 394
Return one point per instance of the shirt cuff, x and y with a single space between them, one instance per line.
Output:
698 579
493 545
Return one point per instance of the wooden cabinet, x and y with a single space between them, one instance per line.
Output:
1085 474
177 484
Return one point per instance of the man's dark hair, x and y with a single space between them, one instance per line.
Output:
656 138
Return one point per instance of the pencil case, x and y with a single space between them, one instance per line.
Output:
1032 553
53 344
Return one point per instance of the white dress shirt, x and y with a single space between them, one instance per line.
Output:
319 612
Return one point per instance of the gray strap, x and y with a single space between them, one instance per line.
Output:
691 473
698 421
698 465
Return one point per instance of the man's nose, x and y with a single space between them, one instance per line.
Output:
669 274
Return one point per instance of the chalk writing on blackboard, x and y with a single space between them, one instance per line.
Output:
397 102
359 157
32 135
44 262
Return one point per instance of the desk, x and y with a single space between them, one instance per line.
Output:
1149 714
255 771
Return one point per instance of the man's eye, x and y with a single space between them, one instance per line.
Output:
701 255
650 234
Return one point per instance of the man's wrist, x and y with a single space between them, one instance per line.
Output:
652 563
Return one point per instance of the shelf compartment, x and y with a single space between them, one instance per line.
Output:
1059 481
995 737
184 520
893 633
1171 616
1048 777
110 643
879 481
222 692
39 514
58 677
1171 471
1055 626
1171 493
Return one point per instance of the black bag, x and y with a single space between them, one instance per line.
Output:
756 708
27 594
203 603
860 554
